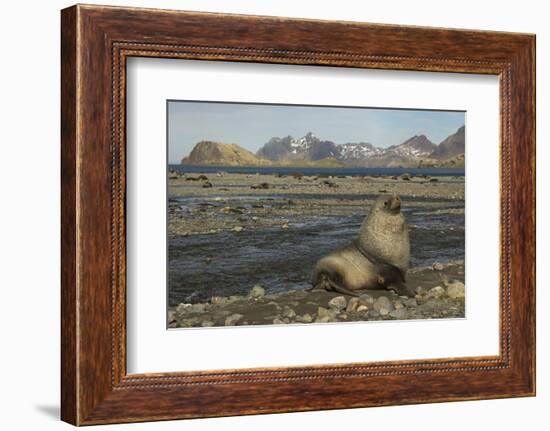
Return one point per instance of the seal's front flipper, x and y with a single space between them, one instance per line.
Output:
320 283
401 289
341 289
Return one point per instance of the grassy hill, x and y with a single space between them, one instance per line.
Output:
221 154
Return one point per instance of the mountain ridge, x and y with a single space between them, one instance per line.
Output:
309 150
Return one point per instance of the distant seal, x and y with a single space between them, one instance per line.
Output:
377 259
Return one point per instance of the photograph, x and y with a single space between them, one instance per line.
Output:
298 214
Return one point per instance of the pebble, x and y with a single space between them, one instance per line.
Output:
234 298
257 292
330 183
192 321
337 303
233 319
218 300
324 312
398 313
306 318
366 299
207 323
438 266
288 312
197 308
171 316
373 314
353 303
260 186
456 289
182 308
384 311
435 292
411 302
383 305
362 308
277 306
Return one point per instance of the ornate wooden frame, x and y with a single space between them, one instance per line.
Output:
95 42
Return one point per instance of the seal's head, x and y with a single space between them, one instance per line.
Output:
388 203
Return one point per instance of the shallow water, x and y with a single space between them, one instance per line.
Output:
230 263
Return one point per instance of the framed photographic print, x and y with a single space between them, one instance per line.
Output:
264 214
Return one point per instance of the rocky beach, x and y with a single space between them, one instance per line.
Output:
242 247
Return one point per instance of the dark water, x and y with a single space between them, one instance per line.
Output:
229 263
434 172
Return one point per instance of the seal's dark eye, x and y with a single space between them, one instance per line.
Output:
386 203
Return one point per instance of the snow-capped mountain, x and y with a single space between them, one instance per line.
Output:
415 150
308 147
358 151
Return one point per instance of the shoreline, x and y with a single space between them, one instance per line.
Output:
280 225
439 294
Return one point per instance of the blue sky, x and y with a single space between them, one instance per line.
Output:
252 125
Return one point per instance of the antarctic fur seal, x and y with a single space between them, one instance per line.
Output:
377 259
